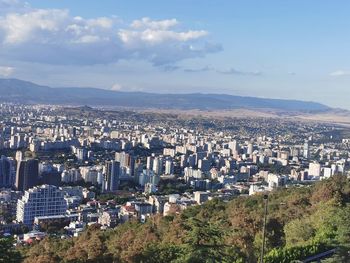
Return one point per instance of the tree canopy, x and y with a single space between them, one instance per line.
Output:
302 221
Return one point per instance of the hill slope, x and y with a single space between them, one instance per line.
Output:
14 90
301 222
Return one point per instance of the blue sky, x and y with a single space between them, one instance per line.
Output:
279 49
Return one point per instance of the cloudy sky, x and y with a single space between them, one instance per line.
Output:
281 49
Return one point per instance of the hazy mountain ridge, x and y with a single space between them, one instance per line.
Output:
14 90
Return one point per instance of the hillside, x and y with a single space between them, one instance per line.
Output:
302 221
14 90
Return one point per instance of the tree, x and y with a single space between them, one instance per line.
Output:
204 243
159 253
8 254
298 231
343 235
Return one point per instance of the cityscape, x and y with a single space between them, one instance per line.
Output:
174 131
64 169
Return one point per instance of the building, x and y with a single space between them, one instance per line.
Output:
112 175
69 176
204 165
90 173
109 218
314 169
233 146
44 200
158 203
125 159
255 188
148 176
7 172
82 154
201 197
327 172
169 167
27 174
57 219
306 152
275 180
250 149
158 165
143 209
150 188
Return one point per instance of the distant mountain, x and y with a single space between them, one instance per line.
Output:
19 91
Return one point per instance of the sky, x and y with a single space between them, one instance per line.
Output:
291 49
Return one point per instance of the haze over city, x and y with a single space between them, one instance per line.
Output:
273 49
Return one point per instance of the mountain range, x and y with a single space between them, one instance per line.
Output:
19 91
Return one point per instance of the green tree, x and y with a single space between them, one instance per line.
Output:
8 254
298 231
204 243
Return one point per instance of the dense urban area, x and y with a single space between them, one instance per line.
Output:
81 184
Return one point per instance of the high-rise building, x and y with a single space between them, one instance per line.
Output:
306 153
148 176
82 154
17 141
126 160
158 165
19 156
7 172
27 174
149 165
44 200
204 165
233 146
112 176
250 149
169 166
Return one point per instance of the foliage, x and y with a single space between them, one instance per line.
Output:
302 221
285 255
173 186
7 252
108 196
54 226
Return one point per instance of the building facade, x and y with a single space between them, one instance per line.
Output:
44 200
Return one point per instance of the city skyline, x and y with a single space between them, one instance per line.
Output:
293 50
74 174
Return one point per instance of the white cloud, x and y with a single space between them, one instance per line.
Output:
102 22
20 28
230 71
53 36
339 73
6 71
203 69
153 37
117 87
88 39
146 22
233 71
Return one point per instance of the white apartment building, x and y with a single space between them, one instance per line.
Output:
44 200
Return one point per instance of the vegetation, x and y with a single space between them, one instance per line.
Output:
7 252
275 168
119 200
173 186
54 226
301 222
